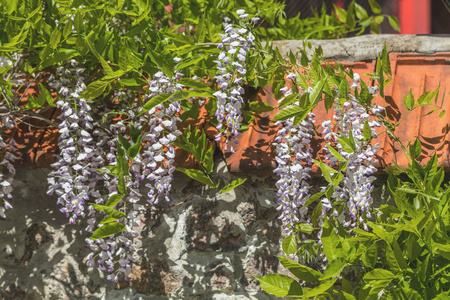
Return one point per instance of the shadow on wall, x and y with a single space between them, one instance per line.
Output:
41 254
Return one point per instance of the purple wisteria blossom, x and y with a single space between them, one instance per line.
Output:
356 186
294 158
158 154
7 157
235 44
75 175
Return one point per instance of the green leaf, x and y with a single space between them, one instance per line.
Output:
11 6
377 276
233 184
344 88
95 89
350 20
121 186
107 219
109 211
78 22
181 95
197 175
443 296
412 294
43 54
164 61
335 267
108 70
289 112
260 107
124 142
346 144
386 62
135 148
394 23
132 82
300 271
181 38
413 248
376 8
365 97
67 28
304 61
304 227
288 100
124 57
208 163
336 154
114 199
189 62
55 38
316 93
313 198
341 13
319 290
194 84
399 255
45 96
326 170
107 230
415 149
367 132
289 244
317 212
280 285
370 256
158 99
346 296
331 242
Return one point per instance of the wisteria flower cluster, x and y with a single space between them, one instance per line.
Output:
7 158
294 160
75 175
356 187
158 155
235 44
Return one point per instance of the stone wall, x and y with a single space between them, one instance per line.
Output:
202 245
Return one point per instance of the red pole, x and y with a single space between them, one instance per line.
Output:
415 16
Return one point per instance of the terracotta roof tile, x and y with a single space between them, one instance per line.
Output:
255 152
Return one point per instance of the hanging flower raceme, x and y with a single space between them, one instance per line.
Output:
7 148
114 254
235 44
158 154
294 158
7 157
75 175
356 187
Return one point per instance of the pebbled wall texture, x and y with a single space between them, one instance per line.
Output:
202 245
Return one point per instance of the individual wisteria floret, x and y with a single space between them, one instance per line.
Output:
235 44
294 160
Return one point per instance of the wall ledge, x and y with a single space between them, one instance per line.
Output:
368 47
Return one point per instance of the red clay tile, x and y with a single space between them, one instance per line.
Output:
419 72
255 152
